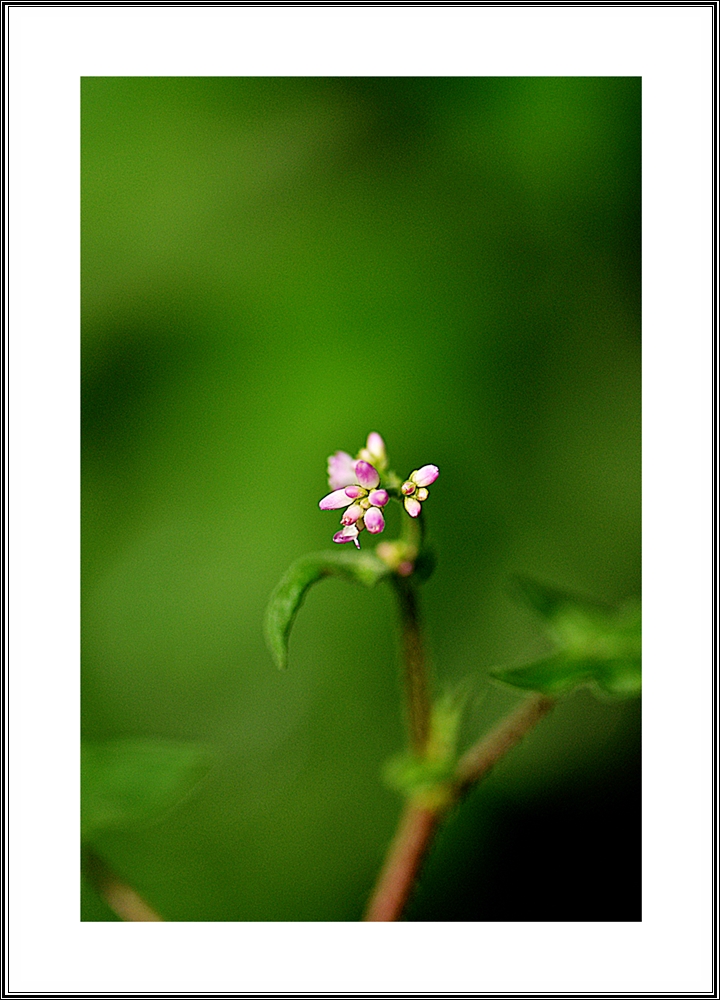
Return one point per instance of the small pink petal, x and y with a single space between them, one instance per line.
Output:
348 534
367 475
425 476
378 498
407 488
374 521
352 514
412 506
341 470
354 492
335 500
375 445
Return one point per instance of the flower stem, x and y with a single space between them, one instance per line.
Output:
419 821
406 854
479 760
414 669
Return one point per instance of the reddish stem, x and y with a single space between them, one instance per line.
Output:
402 864
418 823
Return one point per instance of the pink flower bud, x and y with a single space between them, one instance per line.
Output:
412 506
407 488
352 514
425 476
355 491
378 498
376 446
374 521
335 500
367 475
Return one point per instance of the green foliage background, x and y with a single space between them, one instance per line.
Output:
271 269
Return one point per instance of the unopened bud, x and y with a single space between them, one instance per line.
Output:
352 514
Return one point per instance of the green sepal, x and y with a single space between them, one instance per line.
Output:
289 594
130 781
595 644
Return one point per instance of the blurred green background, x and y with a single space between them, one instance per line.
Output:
272 268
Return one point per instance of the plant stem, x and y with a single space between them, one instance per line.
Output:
414 670
402 864
419 822
479 760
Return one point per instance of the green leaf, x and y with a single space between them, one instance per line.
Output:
289 594
595 644
557 675
620 678
553 675
131 781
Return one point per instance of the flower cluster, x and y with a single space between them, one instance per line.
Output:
413 489
363 501
356 485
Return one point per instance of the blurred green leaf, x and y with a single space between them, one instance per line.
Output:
620 678
595 644
415 776
135 780
445 719
289 594
429 777
556 675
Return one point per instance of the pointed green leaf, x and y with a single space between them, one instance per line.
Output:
135 780
594 643
289 594
557 675
553 675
